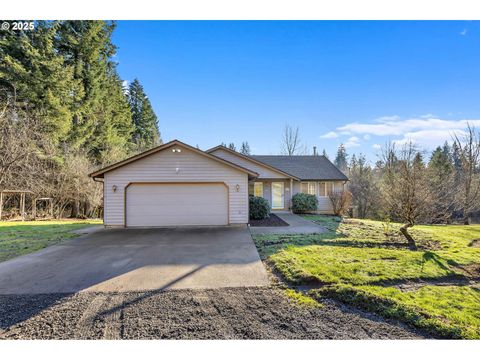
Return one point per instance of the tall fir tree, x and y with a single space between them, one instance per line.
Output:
363 186
112 140
87 47
35 74
231 146
146 133
341 159
324 153
245 149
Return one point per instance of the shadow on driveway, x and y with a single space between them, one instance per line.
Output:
126 260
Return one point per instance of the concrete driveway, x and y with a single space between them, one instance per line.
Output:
139 259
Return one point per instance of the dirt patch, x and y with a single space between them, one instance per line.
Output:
475 243
352 222
471 271
243 313
272 220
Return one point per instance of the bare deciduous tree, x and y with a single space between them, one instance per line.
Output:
405 190
468 174
29 161
341 201
291 143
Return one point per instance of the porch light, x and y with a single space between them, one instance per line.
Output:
114 188
177 150
237 187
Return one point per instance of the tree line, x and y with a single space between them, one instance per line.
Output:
65 111
407 184
412 186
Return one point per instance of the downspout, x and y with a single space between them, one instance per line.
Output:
291 194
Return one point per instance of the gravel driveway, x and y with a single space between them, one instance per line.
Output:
238 313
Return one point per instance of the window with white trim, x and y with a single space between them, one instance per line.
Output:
309 187
258 189
322 188
329 187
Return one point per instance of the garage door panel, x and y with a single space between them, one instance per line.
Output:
176 204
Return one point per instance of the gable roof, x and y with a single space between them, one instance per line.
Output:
100 172
304 167
252 159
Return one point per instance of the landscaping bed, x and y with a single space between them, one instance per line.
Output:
272 220
366 264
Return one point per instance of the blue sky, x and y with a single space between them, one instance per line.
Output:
357 83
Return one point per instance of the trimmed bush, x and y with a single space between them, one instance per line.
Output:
304 203
259 208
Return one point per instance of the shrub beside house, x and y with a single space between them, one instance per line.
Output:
304 203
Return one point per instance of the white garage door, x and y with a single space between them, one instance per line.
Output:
176 204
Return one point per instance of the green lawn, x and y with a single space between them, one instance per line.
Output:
362 262
20 238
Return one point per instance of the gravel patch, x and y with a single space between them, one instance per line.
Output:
238 313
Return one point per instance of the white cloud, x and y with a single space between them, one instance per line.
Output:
463 32
352 142
427 116
330 135
425 131
429 138
377 146
403 126
388 118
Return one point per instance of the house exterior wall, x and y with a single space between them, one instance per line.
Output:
267 191
324 203
162 167
262 171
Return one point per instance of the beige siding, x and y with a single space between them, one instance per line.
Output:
262 171
267 192
162 167
324 203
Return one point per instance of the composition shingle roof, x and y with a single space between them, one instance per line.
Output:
305 167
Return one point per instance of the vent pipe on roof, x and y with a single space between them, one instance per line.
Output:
314 150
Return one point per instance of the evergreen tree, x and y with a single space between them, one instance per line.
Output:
440 175
112 139
231 146
245 150
223 144
87 47
363 186
146 133
37 77
324 153
342 158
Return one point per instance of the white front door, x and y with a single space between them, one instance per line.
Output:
278 195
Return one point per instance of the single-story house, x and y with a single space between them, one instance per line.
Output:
177 184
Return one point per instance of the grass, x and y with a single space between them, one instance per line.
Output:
301 299
363 262
446 311
358 266
20 238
